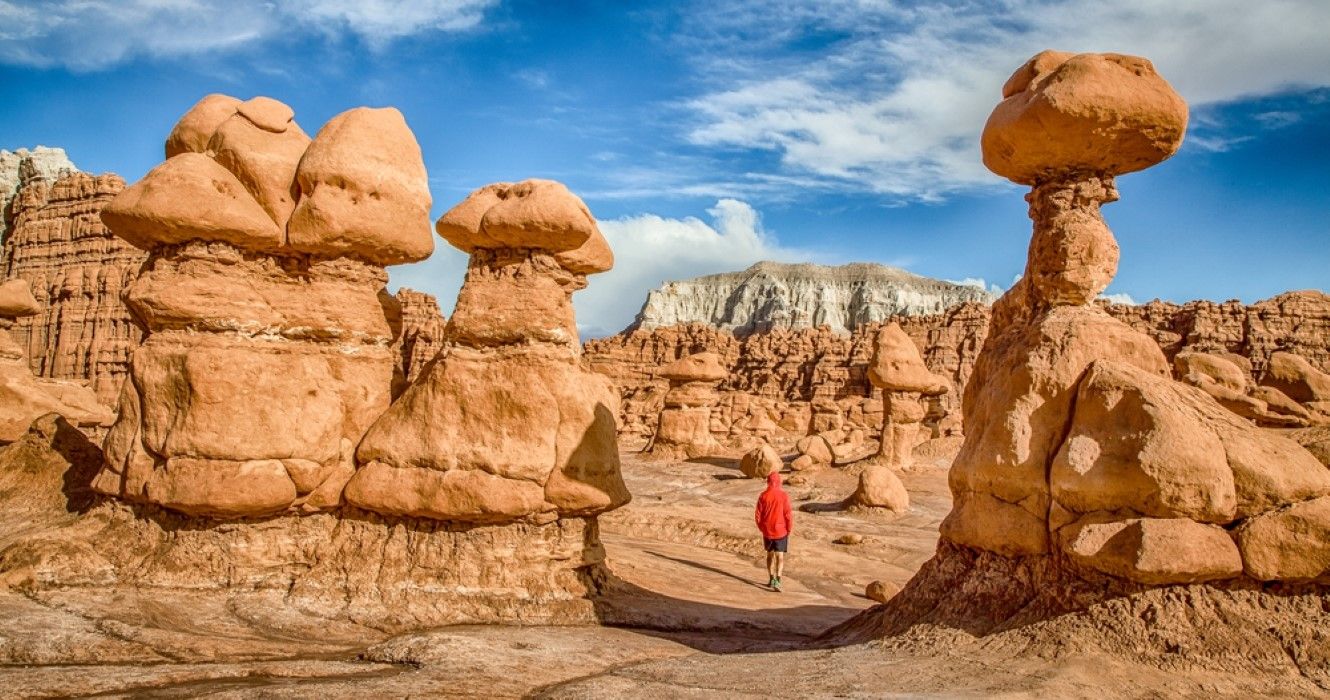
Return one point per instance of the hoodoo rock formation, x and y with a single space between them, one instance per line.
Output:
24 397
56 241
1087 472
505 426
771 295
255 462
899 371
266 261
684 427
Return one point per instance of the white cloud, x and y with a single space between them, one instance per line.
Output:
648 250
895 105
94 34
1119 298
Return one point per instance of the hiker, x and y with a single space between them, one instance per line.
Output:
774 520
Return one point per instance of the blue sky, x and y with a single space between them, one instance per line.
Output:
708 135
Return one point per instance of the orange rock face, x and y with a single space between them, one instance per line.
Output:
504 425
266 359
77 270
24 397
422 333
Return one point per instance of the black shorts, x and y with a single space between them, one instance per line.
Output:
780 545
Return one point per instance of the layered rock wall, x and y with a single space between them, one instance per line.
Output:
422 331
817 363
77 269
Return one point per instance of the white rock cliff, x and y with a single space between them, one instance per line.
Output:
779 295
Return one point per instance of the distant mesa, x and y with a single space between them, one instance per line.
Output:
771 295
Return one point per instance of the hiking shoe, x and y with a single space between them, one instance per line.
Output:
775 584
771 582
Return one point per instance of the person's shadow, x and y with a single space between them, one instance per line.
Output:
705 567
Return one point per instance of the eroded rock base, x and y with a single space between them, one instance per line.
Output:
357 567
1037 607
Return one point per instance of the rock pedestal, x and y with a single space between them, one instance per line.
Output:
684 428
504 426
1078 441
899 371
268 347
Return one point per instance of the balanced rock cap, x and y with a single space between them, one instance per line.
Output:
535 214
364 191
16 300
192 133
1084 113
897 366
702 367
267 114
190 196
263 153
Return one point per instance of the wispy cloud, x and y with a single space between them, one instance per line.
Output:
890 98
96 34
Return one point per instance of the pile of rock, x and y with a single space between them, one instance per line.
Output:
1227 378
828 448
24 397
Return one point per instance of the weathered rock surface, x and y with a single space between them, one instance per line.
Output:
22 165
265 362
55 240
422 333
772 295
776 374
1090 113
1084 461
23 396
684 427
504 425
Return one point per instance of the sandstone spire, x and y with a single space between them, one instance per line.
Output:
1077 438
504 425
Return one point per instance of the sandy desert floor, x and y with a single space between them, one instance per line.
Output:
689 616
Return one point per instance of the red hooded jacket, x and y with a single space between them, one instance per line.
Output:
773 515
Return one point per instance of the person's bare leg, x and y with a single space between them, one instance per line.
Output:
771 565
780 564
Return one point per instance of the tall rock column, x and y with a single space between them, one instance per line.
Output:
505 426
268 348
1066 126
684 427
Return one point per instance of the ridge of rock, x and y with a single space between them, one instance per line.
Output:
771 295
